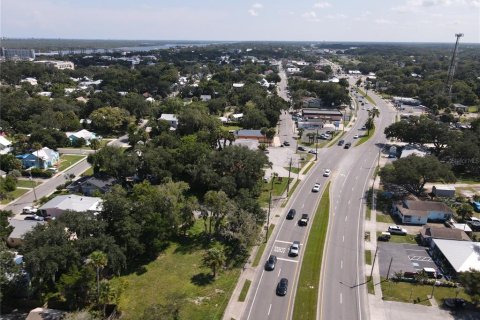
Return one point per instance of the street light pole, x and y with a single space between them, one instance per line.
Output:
316 146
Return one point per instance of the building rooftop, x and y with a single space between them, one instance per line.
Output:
427 206
462 255
21 227
441 232
74 203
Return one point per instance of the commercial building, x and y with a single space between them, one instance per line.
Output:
61 65
58 205
456 256
327 115
18 54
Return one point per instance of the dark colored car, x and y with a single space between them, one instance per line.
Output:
302 148
291 214
348 145
271 262
455 303
341 142
286 143
34 218
282 287
304 220
474 225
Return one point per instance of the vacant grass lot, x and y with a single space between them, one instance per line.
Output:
27 183
417 293
66 160
409 238
10 196
381 217
178 272
279 187
307 290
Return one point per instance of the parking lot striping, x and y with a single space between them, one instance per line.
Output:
343 238
420 258
341 298
349 201
346 217
280 270
414 250
303 205
269 308
341 264
289 260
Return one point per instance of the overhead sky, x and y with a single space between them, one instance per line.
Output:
297 20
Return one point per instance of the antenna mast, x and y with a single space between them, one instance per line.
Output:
453 65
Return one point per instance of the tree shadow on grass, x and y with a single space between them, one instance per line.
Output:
202 279
189 244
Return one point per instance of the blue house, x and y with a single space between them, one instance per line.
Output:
41 159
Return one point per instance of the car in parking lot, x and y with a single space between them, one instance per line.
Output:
474 225
291 214
312 151
384 236
304 220
397 230
347 145
316 187
454 303
282 287
341 142
34 217
271 262
326 173
302 148
294 249
286 143
29 210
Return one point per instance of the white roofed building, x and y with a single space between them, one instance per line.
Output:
71 202
456 256
5 145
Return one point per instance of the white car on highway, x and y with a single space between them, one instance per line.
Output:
355 136
326 173
316 187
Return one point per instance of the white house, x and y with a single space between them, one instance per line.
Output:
70 202
82 134
171 118
32 81
5 145
205 97
421 212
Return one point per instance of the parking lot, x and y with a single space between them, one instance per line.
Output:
406 258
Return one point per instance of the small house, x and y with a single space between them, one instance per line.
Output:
41 159
92 185
86 135
446 191
205 97
421 212
171 118
429 232
58 205
460 107
5 145
249 134
20 228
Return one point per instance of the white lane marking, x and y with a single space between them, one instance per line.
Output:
341 300
335 208
346 217
289 260
353 188
349 201
343 238
341 264
290 242
269 308
303 205
279 272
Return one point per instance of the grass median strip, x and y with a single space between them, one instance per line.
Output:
243 293
307 289
365 138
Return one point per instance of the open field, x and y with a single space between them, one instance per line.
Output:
66 160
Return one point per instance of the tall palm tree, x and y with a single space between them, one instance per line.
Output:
99 260
372 114
214 258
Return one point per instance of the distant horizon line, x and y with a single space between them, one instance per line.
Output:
237 41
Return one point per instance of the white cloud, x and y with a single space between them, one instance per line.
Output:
254 9
384 21
253 12
257 6
336 16
310 16
322 5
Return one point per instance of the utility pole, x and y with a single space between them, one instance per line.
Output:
289 171
373 264
451 68
389 266
316 146
268 218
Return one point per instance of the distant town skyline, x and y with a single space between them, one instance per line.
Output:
235 20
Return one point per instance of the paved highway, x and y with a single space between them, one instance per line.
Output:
341 297
343 294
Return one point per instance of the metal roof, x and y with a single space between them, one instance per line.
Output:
74 203
462 255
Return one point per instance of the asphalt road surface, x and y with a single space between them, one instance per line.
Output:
341 296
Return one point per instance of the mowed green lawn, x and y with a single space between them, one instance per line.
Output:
66 160
178 272
14 195
27 183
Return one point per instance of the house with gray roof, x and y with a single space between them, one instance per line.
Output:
71 202
20 228
421 212
92 185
